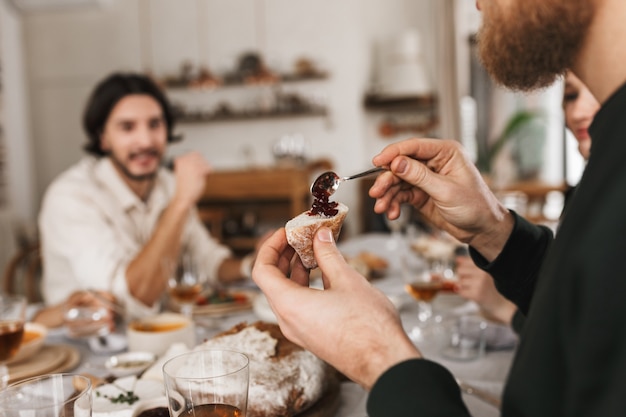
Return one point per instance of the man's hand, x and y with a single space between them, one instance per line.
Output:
350 324
438 178
190 170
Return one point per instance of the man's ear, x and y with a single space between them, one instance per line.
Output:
103 142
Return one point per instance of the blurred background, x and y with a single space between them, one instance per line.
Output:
268 87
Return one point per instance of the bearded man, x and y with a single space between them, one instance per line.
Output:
116 220
572 354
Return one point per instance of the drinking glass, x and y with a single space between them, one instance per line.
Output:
398 228
207 383
466 338
184 283
423 283
53 395
12 316
90 318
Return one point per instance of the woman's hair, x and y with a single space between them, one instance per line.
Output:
108 93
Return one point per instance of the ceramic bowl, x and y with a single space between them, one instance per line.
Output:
32 341
157 333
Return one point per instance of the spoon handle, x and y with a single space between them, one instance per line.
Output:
364 173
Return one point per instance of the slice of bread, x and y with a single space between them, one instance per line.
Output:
301 231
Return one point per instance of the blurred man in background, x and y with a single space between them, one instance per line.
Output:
117 220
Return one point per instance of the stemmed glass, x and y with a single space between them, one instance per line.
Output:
184 283
423 281
12 316
397 243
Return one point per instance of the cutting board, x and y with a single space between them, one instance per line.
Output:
327 405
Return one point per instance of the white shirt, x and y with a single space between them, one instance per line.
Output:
92 226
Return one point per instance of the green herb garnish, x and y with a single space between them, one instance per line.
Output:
123 398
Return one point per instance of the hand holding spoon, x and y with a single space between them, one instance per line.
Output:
328 182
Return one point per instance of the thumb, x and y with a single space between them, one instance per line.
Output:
416 173
328 257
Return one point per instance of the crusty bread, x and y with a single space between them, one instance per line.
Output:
285 379
301 231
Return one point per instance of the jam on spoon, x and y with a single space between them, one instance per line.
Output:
325 185
321 195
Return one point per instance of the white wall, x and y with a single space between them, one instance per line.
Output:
68 52
17 135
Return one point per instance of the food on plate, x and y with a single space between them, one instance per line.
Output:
284 378
221 296
373 261
301 229
369 265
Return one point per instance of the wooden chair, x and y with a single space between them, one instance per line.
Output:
22 274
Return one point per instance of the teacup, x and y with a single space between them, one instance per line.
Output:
157 333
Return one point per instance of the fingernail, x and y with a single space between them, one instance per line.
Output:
401 166
325 235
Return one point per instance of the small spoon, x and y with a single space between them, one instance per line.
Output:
329 181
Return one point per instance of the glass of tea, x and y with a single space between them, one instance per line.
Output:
184 283
53 395
12 316
423 280
207 383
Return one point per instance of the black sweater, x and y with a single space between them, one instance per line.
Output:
571 360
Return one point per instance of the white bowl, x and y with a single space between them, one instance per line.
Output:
33 340
157 333
129 363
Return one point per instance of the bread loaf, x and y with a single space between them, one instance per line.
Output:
301 231
285 379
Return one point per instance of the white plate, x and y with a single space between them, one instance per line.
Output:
144 389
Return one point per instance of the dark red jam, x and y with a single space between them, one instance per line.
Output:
321 203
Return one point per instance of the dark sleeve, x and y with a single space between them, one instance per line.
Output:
516 269
416 387
517 322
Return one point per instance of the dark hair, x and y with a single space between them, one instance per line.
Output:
108 93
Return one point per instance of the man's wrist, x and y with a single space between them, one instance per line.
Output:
491 243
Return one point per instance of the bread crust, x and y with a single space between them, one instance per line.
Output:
301 231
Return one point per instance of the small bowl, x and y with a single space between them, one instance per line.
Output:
157 333
32 342
129 363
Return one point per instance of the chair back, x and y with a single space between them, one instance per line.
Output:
23 273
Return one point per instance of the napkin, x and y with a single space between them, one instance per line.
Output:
155 372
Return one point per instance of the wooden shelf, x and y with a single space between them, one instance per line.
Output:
273 195
229 83
375 102
239 117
